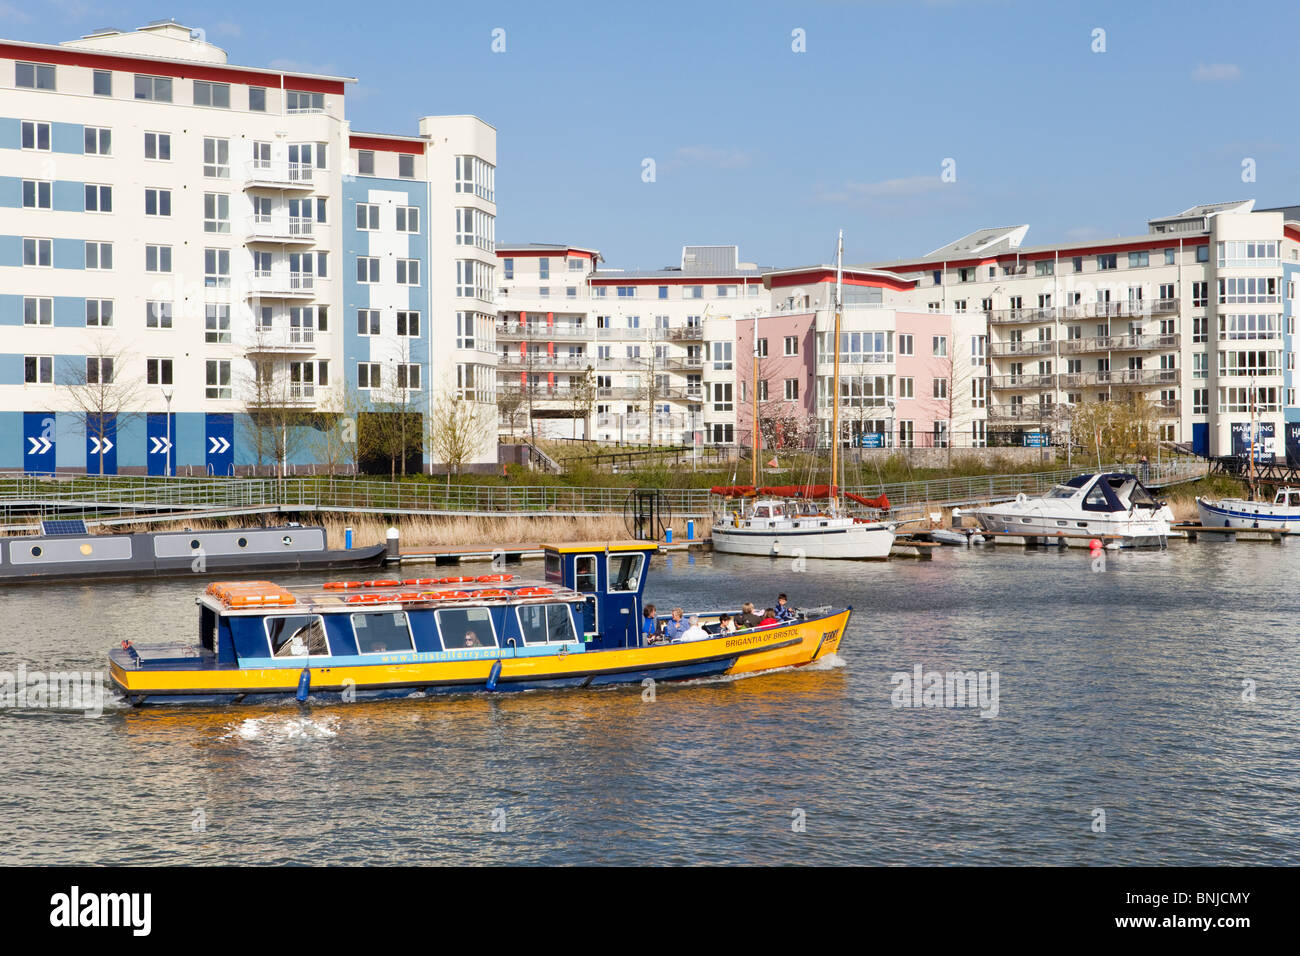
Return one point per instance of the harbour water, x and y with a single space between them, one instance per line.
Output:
1125 733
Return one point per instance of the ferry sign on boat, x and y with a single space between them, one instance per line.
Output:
580 627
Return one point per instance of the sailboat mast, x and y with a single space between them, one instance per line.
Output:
758 441
835 383
1252 440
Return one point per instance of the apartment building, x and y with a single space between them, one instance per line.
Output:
656 347
201 243
1195 315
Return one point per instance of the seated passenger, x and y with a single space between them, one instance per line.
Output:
471 639
695 632
726 625
675 627
650 630
784 612
747 617
769 618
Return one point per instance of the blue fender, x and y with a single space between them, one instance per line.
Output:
492 677
304 684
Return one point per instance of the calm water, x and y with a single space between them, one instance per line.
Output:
1119 689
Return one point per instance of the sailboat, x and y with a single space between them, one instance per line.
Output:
789 520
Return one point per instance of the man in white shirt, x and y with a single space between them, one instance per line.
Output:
695 632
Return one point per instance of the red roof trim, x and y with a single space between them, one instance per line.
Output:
185 71
505 252
756 281
1163 241
1291 233
383 144
818 276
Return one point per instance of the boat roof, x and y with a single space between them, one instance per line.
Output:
588 546
267 597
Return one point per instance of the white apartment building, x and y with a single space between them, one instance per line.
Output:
194 234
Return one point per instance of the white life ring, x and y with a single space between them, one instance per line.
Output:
1021 499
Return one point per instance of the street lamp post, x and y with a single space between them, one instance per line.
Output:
167 467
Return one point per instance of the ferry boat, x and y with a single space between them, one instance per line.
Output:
68 552
1114 504
580 627
1281 514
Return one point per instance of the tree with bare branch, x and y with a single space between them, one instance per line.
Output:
455 430
99 390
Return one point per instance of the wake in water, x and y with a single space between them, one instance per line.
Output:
283 727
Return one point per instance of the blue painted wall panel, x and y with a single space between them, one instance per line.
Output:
71 441
11 309
131 440
69 369
68 196
70 254
68 138
10 133
11 250
11 191
11 440
11 368
69 312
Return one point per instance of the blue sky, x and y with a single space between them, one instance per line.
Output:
776 150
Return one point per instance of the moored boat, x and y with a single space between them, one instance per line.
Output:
777 526
580 627
1115 505
1280 514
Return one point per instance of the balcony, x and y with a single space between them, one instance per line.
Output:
1024 381
539 332
278 174
280 229
1037 412
1121 343
1122 376
1172 409
1139 308
1002 349
263 284
282 341
543 363
688 333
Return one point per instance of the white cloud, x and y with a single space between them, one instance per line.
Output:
859 192
11 13
1216 72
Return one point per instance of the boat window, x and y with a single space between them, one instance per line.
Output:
542 623
1139 496
553 570
1295 499
585 568
762 512
625 571
777 511
466 627
297 635
381 631
1095 499
1062 491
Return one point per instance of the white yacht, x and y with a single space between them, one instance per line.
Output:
1281 514
1114 504
773 526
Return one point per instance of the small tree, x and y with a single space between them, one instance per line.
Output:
337 437
785 426
455 430
582 396
278 411
99 391
510 402
1117 430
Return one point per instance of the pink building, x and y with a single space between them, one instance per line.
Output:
787 353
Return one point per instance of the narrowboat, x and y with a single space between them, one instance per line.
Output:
579 627
68 552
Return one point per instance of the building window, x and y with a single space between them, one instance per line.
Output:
299 102
791 345
1137 260
473 175
158 146
36 194
158 371
35 135
365 162
37 252
99 370
216 212
367 269
216 158
158 315
156 88
1107 261
625 291
157 258
103 83
905 346
408 376
722 392
408 324
38 369
216 322
509 267
940 344
940 388
216 268
368 375
157 202
1169 257
98 141
98 198
99 313
218 378
212 94
406 166
792 390
1044 267
34 76
1203 253
367 217
367 322
257 99
693 292
38 311
408 219
408 271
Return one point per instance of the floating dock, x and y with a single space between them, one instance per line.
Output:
1274 535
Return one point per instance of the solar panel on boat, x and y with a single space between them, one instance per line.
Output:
63 526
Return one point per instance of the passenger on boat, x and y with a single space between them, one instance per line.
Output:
471 639
695 632
747 617
769 618
675 627
650 629
726 625
784 612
